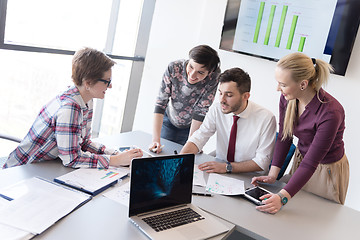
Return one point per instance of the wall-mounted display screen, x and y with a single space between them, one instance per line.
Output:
323 29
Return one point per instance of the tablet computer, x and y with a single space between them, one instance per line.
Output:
254 194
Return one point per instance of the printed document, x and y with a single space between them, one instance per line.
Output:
224 185
119 194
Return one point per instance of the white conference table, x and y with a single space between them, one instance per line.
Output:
306 216
100 218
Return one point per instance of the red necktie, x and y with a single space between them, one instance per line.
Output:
232 140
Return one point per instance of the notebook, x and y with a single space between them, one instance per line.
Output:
161 187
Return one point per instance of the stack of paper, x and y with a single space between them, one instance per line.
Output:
34 205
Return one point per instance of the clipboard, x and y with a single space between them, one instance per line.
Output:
92 181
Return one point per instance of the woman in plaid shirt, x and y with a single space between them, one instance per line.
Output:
63 127
187 91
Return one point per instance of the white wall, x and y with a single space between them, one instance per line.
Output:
179 25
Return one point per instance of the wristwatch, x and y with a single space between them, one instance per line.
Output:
228 167
283 199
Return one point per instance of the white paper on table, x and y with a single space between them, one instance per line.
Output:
198 179
3 203
224 185
11 233
37 204
120 194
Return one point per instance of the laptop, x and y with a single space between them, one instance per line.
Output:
161 187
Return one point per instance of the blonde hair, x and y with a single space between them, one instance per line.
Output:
302 67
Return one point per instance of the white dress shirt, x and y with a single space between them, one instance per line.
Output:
255 137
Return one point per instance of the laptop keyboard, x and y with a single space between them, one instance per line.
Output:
173 219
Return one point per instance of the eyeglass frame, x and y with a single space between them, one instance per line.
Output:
105 81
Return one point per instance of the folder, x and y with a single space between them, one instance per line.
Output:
92 181
33 205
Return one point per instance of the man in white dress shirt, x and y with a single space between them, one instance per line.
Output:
255 134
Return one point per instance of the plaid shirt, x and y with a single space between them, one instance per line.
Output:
62 129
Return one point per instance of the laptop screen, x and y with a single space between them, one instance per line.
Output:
160 182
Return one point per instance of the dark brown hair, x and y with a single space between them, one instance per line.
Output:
239 76
206 56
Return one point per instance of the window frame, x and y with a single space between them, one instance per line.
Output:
137 65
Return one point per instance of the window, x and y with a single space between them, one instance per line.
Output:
37 41
70 25
64 24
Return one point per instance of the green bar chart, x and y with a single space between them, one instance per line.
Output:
301 44
258 22
269 25
275 28
292 32
281 26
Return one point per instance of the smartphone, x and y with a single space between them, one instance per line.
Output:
254 194
145 153
122 149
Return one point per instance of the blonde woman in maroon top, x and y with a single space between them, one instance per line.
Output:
317 119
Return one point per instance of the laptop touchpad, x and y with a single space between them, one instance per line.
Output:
192 232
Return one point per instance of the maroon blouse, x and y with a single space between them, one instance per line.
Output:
320 131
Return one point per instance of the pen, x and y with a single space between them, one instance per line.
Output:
202 194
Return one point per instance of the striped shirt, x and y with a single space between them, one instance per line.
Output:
62 129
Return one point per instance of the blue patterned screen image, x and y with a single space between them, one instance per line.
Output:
160 182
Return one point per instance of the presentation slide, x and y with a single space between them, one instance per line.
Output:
276 28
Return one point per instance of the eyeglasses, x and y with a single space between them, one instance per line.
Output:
105 81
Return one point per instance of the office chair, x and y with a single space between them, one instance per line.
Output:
9 138
287 159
